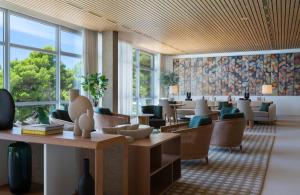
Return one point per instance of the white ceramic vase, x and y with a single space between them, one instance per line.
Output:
78 105
86 123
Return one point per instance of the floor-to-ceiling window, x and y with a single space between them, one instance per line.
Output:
143 79
1 48
43 61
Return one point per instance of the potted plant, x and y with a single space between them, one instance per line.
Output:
95 84
168 79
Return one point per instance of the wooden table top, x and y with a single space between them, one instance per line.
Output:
154 139
67 138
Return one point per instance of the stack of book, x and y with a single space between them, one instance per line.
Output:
42 129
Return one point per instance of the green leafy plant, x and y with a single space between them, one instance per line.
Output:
95 84
169 78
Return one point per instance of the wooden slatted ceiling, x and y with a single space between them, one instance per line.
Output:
184 26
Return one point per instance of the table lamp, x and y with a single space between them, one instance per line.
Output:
267 89
173 90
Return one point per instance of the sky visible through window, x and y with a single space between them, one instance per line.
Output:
35 34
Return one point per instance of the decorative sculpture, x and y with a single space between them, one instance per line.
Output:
81 113
7 105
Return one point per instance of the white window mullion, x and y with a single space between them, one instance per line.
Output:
57 94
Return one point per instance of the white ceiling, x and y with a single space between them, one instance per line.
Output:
181 26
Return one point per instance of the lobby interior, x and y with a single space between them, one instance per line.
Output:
152 97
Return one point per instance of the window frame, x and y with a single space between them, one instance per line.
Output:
7 45
137 98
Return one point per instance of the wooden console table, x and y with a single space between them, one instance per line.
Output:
61 161
154 164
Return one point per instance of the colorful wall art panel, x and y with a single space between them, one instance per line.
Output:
223 75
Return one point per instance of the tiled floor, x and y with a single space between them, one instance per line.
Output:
283 176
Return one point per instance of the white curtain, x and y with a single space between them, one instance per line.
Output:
90 51
125 80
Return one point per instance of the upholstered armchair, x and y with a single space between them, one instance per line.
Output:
110 120
202 108
228 132
194 141
61 117
265 116
245 107
155 121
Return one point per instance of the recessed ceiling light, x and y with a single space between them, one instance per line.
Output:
244 18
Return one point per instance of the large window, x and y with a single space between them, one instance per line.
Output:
143 79
1 49
44 61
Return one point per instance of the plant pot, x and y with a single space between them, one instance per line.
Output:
19 167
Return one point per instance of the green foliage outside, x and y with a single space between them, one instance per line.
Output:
145 76
33 79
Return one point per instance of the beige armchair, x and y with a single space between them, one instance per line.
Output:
245 107
262 116
202 108
228 133
104 120
194 141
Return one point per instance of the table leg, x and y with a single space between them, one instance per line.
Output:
99 172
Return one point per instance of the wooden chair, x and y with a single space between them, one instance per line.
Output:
194 141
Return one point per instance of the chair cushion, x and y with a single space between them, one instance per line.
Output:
103 111
229 110
232 115
223 104
62 115
265 106
261 114
197 121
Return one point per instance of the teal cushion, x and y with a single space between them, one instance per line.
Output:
223 104
264 107
197 121
234 110
229 110
103 111
232 115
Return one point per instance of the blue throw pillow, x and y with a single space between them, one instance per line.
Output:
265 107
103 111
197 121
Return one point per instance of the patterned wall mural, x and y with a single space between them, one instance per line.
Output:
234 74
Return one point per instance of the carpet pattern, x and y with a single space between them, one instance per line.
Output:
230 173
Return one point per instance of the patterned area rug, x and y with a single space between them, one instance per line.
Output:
230 173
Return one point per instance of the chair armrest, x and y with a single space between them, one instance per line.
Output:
121 116
175 127
272 112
